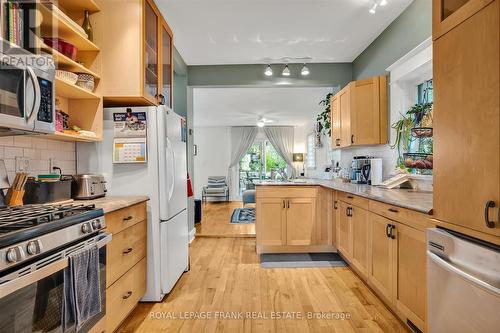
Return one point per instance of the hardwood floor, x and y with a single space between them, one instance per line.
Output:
215 221
226 280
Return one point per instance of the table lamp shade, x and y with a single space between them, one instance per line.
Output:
298 157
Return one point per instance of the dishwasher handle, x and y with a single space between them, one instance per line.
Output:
464 275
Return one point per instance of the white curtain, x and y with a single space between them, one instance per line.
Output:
282 140
241 140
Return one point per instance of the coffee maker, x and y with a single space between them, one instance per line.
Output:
366 170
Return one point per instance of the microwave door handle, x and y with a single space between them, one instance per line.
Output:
36 105
23 281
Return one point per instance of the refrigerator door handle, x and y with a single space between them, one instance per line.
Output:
171 172
464 275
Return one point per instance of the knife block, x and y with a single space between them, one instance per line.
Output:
15 197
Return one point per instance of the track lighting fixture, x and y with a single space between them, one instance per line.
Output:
304 71
286 71
269 71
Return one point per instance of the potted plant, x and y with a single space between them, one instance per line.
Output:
323 119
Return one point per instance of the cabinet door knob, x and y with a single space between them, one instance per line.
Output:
489 204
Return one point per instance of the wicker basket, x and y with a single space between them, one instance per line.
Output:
66 76
86 81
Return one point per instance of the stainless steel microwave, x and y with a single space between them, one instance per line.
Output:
27 95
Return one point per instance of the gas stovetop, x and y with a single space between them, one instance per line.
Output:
34 229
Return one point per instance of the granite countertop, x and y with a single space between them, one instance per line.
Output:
112 203
420 201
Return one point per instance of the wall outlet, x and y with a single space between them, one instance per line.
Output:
23 164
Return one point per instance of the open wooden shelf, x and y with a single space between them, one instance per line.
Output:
71 91
73 137
79 5
53 23
68 64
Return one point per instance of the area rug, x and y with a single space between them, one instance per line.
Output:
243 216
301 260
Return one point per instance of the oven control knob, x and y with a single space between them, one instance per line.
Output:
32 248
86 228
96 225
12 255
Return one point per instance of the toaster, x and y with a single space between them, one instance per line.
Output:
86 187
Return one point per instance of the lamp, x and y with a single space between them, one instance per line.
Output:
298 158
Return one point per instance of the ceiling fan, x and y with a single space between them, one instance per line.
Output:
261 122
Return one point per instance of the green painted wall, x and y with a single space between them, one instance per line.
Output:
407 31
335 74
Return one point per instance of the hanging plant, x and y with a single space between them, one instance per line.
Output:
323 118
418 115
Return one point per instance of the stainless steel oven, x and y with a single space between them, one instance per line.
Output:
32 296
26 92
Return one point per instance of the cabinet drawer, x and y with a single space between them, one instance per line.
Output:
124 294
123 218
353 200
406 216
125 250
286 191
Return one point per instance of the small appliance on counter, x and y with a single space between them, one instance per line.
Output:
42 192
87 187
366 170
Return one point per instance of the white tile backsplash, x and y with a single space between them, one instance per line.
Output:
39 151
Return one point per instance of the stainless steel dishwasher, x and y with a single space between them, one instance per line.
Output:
463 284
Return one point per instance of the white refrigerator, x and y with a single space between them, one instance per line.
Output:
163 178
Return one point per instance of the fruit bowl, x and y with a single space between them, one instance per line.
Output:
418 161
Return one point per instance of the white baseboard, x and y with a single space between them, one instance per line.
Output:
192 234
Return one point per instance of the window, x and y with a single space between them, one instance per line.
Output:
311 152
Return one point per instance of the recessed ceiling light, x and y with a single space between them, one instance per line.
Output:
373 10
305 70
260 123
286 71
383 2
269 71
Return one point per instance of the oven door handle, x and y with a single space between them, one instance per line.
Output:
36 103
21 282
104 239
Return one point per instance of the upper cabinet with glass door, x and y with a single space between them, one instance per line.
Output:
447 14
137 54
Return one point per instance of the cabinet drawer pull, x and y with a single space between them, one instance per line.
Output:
352 138
335 204
347 211
489 204
127 251
393 210
391 229
284 204
127 295
350 197
128 218
337 142
288 205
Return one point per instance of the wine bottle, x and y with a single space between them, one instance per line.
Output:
88 27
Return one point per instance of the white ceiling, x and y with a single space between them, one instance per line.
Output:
211 32
243 106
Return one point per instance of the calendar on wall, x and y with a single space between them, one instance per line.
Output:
129 150
130 137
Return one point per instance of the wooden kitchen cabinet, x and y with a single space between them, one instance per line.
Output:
345 230
293 219
409 273
447 14
335 120
137 54
467 119
359 227
271 221
380 273
359 113
126 262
